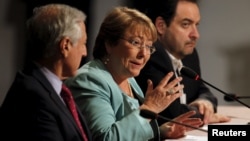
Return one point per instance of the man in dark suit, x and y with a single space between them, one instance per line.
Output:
33 108
177 24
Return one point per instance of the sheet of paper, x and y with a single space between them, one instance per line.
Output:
190 138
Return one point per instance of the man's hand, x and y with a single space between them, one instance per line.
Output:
218 118
205 108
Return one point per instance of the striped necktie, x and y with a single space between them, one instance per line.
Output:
69 101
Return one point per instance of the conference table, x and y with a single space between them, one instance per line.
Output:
239 115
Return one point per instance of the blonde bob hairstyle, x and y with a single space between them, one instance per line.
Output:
117 23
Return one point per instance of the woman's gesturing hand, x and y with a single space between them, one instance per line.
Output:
158 98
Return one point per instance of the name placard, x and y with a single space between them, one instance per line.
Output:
239 132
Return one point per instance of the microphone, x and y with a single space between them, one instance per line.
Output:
193 75
229 99
152 115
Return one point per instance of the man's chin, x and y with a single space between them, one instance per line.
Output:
189 51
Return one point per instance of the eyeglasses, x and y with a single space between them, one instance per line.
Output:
138 44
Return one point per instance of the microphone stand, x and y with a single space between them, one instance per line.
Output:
244 97
152 115
193 75
169 120
229 98
225 93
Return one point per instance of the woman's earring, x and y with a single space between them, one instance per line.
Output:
106 61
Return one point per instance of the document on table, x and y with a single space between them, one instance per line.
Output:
193 136
190 138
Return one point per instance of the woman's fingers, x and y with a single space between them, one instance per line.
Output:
159 98
169 84
185 115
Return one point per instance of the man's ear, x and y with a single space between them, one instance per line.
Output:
160 25
64 46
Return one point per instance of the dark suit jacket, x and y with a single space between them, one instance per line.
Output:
159 65
32 110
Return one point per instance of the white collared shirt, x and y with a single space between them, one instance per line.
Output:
177 65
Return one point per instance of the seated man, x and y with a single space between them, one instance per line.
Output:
177 23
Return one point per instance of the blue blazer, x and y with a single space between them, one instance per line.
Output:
111 114
32 110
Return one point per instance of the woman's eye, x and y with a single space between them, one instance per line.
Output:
136 43
147 46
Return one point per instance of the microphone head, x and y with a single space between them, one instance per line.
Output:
148 114
189 73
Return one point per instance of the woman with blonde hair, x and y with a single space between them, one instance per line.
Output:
105 88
